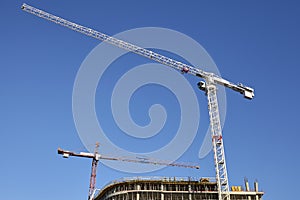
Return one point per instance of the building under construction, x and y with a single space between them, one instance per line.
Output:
161 188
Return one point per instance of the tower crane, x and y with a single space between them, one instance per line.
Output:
209 85
96 157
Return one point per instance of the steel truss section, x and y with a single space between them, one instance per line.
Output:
217 140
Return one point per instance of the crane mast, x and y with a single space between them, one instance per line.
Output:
209 86
218 148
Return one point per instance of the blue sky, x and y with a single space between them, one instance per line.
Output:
253 42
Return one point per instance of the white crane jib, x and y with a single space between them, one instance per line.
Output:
209 86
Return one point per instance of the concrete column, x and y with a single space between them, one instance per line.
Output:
256 189
162 192
190 192
247 187
138 187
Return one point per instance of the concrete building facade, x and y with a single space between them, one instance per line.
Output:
161 188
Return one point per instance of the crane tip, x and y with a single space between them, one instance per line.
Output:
59 150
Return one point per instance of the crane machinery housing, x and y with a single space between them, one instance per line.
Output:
209 85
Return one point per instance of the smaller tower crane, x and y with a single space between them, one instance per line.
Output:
96 157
